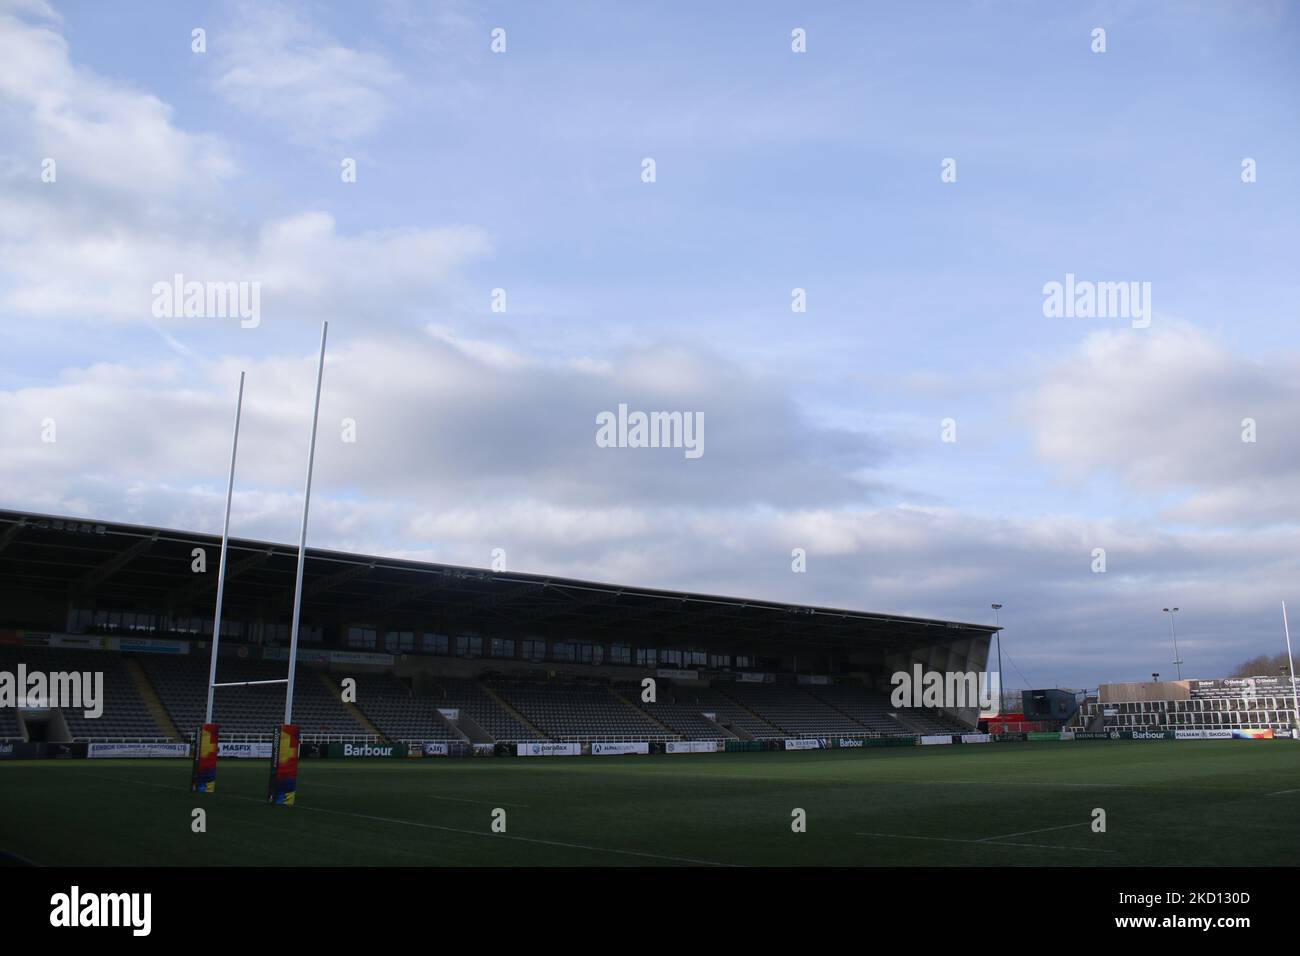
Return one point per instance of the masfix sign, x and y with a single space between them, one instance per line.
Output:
549 750
364 751
599 750
260 751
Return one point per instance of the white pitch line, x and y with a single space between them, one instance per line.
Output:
436 796
507 836
1004 836
1280 792
435 826
985 842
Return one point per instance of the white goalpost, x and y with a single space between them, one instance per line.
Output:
284 752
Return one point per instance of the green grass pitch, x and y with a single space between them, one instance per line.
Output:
1167 803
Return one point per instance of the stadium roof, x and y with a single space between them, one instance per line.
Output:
151 568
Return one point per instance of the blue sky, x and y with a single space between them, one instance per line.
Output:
775 170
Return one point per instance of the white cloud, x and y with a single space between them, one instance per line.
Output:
65 264
1162 411
280 67
102 133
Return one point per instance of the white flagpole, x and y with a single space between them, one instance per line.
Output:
1291 661
221 570
302 538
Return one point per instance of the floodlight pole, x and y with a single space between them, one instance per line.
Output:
302 537
221 569
1178 661
1291 661
998 634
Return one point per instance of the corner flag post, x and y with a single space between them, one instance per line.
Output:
203 778
284 758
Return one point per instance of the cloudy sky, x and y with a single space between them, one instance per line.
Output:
523 171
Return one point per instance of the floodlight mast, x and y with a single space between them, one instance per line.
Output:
302 536
221 569
1291 662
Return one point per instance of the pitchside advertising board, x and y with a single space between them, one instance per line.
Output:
605 750
549 750
853 743
807 743
18 750
1236 733
365 751
138 750
258 751
691 747
1241 687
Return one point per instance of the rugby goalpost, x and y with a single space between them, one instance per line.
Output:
283 783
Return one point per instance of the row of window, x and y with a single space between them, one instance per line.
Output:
1201 705
1209 718
144 624
361 637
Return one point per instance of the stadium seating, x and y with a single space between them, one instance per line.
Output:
933 722
792 709
566 711
678 709
399 714
9 729
732 715
181 684
869 708
470 697
124 717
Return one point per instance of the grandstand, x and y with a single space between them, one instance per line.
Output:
440 653
1223 714
1191 705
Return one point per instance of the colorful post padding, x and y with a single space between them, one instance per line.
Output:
284 766
203 777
